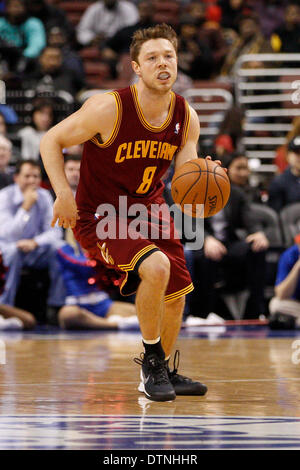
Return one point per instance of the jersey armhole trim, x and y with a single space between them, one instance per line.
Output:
186 125
117 124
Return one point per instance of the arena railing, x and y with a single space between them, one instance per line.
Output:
211 105
269 92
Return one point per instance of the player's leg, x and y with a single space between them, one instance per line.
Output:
154 272
75 317
171 324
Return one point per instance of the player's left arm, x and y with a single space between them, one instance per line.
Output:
189 150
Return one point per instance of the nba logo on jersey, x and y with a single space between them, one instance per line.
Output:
177 128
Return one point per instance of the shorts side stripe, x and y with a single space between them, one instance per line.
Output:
179 293
130 266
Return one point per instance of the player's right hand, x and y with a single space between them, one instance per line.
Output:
65 212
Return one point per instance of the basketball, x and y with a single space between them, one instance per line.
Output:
203 184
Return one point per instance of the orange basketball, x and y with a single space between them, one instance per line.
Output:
200 182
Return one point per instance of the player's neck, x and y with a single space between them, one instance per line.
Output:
153 103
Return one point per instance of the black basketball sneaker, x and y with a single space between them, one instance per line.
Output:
155 383
183 385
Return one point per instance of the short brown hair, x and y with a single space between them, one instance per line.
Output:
159 31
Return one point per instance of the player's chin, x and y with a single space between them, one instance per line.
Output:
165 84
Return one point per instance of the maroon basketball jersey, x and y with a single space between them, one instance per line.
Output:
133 160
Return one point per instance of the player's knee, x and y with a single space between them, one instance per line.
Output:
155 268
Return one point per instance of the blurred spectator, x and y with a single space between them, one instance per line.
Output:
231 10
72 171
230 134
12 317
209 32
239 172
194 56
42 120
285 306
26 236
22 37
6 177
73 150
281 153
285 188
88 307
15 150
270 14
71 59
103 19
249 41
51 16
51 76
230 261
119 43
287 37
223 146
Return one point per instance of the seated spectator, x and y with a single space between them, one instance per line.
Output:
249 41
6 172
72 171
270 14
282 151
51 16
230 261
73 150
57 37
22 38
231 10
194 56
103 19
285 306
51 76
26 236
119 43
286 38
15 149
285 188
42 119
239 172
88 307
232 127
12 317
211 32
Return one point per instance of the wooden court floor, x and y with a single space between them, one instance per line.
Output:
79 391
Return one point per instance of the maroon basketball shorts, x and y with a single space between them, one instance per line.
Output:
125 255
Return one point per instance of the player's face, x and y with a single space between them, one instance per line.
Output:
157 65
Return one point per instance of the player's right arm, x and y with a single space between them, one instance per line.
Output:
97 115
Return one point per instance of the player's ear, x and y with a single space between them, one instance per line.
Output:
136 68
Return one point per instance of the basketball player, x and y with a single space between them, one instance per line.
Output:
130 138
